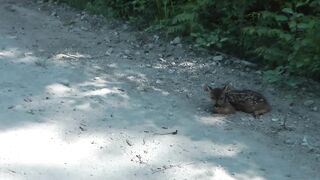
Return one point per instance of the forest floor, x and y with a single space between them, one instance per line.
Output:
82 97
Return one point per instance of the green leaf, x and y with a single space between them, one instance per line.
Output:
287 10
281 18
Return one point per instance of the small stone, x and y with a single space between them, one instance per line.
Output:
127 51
109 51
217 58
171 71
308 102
137 53
125 27
288 141
176 40
54 14
140 88
84 28
305 141
275 119
315 108
150 46
162 60
156 37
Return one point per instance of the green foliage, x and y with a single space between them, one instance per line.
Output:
282 35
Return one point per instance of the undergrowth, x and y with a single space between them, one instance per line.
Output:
281 35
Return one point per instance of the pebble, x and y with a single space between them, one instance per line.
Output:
84 28
109 51
150 46
156 37
315 108
171 71
288 141
176 40
275 119
217 58
308 102
127 51
305 141
214 63
137 53
54 14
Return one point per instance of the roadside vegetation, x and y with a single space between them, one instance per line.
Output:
280 35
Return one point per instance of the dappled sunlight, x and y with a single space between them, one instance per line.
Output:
70 55
58 89
16 55
40 144
8 53
212 120
216 172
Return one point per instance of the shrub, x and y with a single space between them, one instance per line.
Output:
279 34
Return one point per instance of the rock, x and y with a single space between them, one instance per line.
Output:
214 63
125 27
109 51
305 141
82 17
315 108
176 40
156 38
289 141
150 46
127 51
54 14
275 119
171 71
137 53
217 58
243 119
308 103
84 28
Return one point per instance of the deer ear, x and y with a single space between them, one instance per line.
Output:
206 87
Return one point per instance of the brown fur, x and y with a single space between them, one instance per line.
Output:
228 100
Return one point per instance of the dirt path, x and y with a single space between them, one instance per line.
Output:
80 100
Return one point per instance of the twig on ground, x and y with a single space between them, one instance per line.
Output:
169 133
164 168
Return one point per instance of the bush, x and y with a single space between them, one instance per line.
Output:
279 34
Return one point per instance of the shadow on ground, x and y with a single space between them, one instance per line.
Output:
65 119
